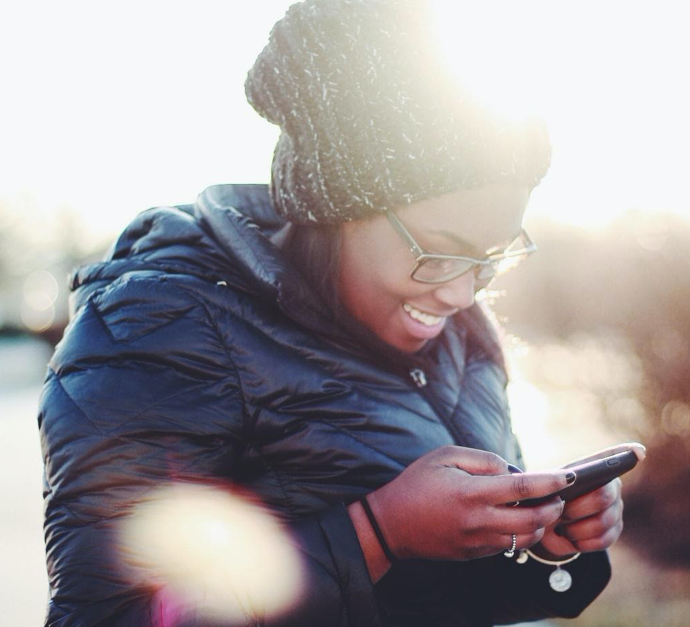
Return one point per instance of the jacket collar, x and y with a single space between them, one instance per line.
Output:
224 236
241 220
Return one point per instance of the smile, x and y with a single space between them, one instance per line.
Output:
425 318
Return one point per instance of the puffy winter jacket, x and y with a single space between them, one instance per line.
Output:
197 352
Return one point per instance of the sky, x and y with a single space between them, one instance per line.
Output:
112 107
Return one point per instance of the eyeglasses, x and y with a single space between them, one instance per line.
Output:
432 268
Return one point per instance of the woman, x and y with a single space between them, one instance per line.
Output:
319 347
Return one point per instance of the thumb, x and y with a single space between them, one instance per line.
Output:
472 461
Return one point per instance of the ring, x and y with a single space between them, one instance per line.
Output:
511 551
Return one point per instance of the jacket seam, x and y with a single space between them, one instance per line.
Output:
61 502
96 312
359 440
58 379
142 411
343 605
280 476
226 349
99 292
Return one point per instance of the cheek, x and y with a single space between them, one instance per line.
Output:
378 290
377 268
375 277
391 284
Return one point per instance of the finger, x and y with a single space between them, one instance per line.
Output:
602 542
518 487
473 461
595 526
557 544
527 519
522 540
593 502
639 450
499 543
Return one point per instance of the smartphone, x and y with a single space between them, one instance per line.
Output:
590 476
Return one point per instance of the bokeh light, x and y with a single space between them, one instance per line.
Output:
211 553
652 231
675 418
40 291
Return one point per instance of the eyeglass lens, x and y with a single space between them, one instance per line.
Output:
437 270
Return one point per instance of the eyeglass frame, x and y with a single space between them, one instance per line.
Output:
422 257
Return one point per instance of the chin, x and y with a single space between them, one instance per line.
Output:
418 345
406 346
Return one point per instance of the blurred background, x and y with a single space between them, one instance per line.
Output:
109 108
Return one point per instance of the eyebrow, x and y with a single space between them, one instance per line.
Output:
473 251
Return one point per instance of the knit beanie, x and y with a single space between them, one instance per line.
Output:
370 117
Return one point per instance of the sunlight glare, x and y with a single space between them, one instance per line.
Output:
126 127
500 69
207 551
530 415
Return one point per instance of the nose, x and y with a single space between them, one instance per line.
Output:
458 293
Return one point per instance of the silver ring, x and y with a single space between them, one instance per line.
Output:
511 551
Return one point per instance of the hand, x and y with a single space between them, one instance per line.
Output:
592 522
452 504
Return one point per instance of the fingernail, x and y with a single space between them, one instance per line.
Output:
570 478
514 469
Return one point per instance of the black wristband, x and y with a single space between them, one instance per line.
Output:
377 530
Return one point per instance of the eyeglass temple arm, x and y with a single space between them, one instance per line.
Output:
404 233
529 248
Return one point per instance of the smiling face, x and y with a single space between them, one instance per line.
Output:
374 272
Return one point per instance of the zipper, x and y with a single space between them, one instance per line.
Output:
418 377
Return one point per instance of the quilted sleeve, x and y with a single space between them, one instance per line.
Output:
141 392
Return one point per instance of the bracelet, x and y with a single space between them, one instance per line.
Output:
559 580
543 560
377 530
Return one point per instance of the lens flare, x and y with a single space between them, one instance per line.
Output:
40 291
494 49
210 554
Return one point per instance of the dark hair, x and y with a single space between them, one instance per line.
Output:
315 252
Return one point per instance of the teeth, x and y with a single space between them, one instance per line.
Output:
422 317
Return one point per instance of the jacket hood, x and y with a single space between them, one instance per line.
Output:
223 237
